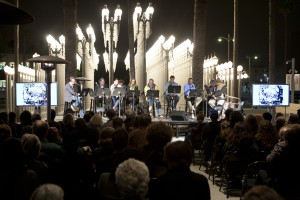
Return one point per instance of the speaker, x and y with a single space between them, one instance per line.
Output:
178 115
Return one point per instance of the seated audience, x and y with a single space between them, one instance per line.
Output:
251 123
279 123
293 119
12 122
96 122
25 119
36 116
5 132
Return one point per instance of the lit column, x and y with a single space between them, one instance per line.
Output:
89 58
111 30
239 70
142 31
168 46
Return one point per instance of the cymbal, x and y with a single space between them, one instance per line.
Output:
11 15
82 79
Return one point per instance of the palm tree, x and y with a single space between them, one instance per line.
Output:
131 39
235 49
272 72
70 21
285 7
200 10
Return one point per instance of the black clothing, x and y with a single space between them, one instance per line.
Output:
210 131
180 183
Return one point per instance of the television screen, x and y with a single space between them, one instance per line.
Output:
34 94
270 95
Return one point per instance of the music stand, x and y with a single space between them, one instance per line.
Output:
120 92
133 93
152 94
104 92
85 91
173 90
194 93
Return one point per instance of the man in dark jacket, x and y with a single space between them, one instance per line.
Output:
179 182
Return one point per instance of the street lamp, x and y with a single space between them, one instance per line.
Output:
111 30
249 58
228 39
142 28
55 47
239 70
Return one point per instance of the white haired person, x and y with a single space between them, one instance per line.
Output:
132 178
49 192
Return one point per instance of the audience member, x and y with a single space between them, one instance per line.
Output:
69 123
189 185
293 119
26 129
235 116
53 135
111 114
35 116
16 182
279 114
195 139
3 118
267 116
69 111
25 119
96 122
87 117
87 136
48 192
265 139
227 115
118 123
279 123
132 178
130 119
210 131
259 118
284 167
262 192
158 135
32 149
5 132
12 122
251 123
142 121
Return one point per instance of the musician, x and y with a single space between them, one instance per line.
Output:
218 96
133 86
152 86
115 99
171 96
69 92
192 102
101 85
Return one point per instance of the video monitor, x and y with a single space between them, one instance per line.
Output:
270 95
34 94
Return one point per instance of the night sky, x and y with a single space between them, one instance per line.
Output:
171 17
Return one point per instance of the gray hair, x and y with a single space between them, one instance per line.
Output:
32 145
48 192
132 178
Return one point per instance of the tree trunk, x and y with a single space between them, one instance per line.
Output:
17 60
272 74
272 71
235 85
131 39
199 42
70 22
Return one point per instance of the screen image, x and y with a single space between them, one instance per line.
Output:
270 95
34 94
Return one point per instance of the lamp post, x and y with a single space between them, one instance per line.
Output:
142 31
228 39
48 64
111 30
249 58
